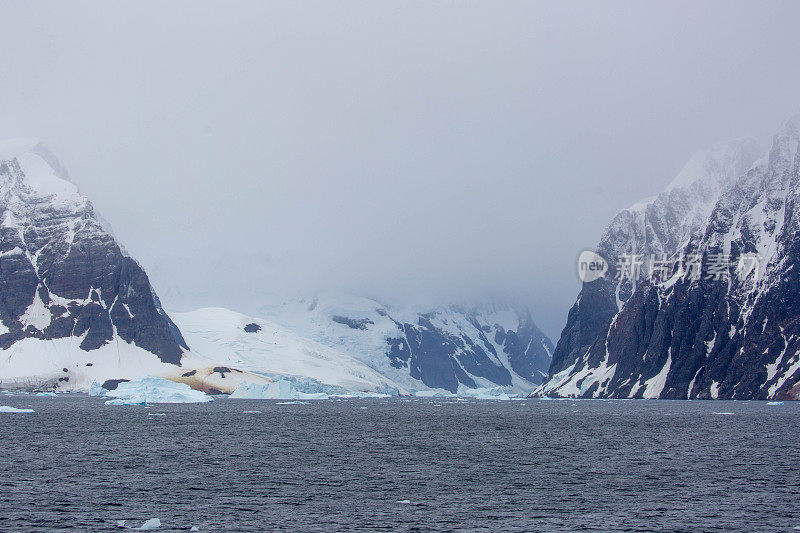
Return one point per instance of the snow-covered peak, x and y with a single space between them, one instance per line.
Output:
663 223
712 167
39 173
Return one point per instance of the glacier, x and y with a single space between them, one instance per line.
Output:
277 390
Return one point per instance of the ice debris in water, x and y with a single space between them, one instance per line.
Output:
7 409
407 502
150 525
194 528
278 390
45 394
151 389
774 403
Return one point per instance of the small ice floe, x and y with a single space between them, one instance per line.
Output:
254 412
775 403
150 525
295 402
156 414
7 409
407 502
48 394
122 523
723 413
194 528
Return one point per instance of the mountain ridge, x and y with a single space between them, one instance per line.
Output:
680 337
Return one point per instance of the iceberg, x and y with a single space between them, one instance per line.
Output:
277 390
48 394
96 389
151 389
7 409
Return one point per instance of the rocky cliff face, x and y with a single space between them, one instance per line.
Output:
64 277
727 332
444 347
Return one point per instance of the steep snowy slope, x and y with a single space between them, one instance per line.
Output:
659 225
446 347
712 329
74 306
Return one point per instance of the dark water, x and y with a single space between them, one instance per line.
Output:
78 465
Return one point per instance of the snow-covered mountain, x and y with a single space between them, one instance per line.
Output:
697 331
74 306
446 347
223 339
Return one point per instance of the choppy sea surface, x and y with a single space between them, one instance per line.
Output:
400 465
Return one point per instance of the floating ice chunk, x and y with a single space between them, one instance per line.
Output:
723 413
45 394
194 528
774 403
125 401
252 412
95 389
121 523
295 402
150 525
277 390
7 409
151 389
492 393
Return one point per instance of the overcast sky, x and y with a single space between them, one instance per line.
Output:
418 150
